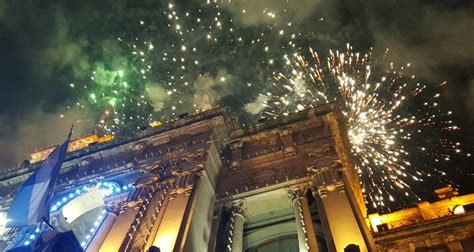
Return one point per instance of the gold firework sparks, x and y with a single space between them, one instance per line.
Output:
385 111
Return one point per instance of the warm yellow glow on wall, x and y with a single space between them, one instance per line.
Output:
424 211
155 124
168 230
166 242
105 138
119 230
76 144
342 222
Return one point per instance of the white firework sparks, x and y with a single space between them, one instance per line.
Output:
384 110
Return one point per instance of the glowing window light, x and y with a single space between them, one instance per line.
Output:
375 221
458 210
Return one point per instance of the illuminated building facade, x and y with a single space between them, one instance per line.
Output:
200 183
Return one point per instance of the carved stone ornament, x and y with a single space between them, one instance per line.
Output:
236 144
240 207
297 192
327 179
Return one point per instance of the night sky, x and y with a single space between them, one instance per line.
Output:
81 61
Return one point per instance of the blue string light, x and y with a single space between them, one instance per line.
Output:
112 188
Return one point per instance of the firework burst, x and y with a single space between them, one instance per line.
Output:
179 58
385 111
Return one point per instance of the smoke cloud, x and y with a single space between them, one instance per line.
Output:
157 95
63 50
256 106
36 131
3 9
210 89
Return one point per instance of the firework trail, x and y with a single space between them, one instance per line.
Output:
388 117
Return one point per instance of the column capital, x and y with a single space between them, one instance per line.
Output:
298 192
239 208
327 179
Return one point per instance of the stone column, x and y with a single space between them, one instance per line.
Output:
304 222
340 216
237 232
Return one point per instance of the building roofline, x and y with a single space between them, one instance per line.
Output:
178 123
286 120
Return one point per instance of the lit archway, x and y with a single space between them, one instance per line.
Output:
84 210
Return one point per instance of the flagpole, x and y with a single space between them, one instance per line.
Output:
68 138
47 223
70 131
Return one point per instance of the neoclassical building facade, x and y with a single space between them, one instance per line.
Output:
200 183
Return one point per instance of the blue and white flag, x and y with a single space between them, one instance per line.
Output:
32 200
